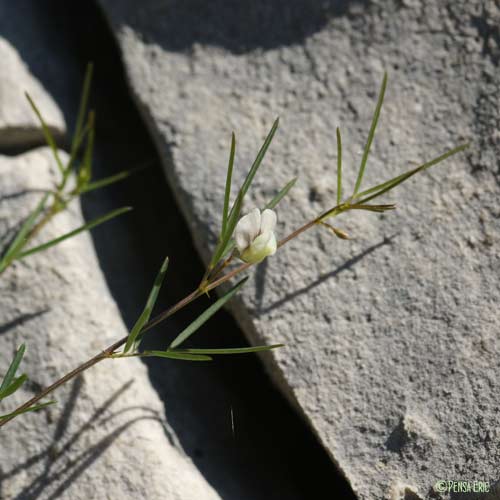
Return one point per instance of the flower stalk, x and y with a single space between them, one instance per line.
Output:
251 238
110 351
203 288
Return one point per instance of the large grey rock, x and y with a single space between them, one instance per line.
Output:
392 351
19 125
107 437
55 40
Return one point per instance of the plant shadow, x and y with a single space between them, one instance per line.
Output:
202 403
57 469
9 233
20 320
321 279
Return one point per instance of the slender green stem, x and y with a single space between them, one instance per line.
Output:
72 374
222 266
41 224
212 274
172 310
51 212
105 354
203 288
110 350
56 207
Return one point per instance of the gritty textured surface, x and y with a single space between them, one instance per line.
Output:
392 339
107 436
55 41
18 122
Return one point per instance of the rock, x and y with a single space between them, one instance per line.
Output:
55 41
19 125
107 437
395 331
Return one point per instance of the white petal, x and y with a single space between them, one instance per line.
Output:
242 241
255 219
261 241
268 220
262 246
272 245
247 229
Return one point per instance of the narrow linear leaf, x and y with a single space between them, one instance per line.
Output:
388 185
85 173
227 194
11 371
372 208
229 248
230 350
260 156
177 355
26 410
371 134
14 386
85 227
82 110
20 239
384 187
74 153
226 237
150 303
206 315
235 211
339 167
281 194
92 186
49 138
256 164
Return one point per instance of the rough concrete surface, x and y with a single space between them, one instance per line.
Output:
107 437
255 458
18 122
392 338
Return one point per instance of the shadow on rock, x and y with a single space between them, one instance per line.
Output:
324 277
57 468
236 26
21 319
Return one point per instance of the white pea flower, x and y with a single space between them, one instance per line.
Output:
254 235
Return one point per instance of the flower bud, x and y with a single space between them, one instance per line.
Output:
254 235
